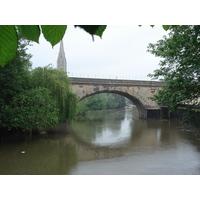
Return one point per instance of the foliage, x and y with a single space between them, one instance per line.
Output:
101 102
58 83
115 101
15 76
8 43
9 35
96 102
180 67
93 29
31 108
52 33
32 99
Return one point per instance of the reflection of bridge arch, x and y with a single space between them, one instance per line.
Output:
141 108
137 91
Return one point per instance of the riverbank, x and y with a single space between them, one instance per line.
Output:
188 116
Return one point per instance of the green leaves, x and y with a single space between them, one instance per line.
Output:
9 37
58 83
94 29
53 33
8 43
166 27
31 32
31 108
179 66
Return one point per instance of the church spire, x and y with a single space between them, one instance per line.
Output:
61 60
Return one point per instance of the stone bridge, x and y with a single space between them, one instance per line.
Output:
137 91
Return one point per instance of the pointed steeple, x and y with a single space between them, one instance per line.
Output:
61 60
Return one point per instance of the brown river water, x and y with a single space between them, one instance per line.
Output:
107 143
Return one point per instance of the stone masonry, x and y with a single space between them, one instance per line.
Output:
137 91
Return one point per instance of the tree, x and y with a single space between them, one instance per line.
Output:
95 102
33 108
180 67
115 101
33 99
59 85
101 101
15 76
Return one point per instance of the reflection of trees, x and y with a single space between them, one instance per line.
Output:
154 133
59 154
97 123
106 116
42 156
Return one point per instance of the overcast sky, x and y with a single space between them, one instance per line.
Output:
121 53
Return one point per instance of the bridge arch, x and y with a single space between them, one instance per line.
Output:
141 108
137 91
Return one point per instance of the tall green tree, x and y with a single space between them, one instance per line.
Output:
15 76
33 99
21 105
59 85
179 67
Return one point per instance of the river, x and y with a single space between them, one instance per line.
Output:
107 142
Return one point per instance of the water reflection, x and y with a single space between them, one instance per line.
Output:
111 131
119 129
108 142
38 156
138 147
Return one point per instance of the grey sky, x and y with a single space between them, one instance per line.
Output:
122 52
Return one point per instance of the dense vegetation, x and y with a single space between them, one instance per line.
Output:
179 68
57 82
102 101
33 98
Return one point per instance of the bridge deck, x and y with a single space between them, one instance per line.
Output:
117 82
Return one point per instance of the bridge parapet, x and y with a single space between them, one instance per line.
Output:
117 82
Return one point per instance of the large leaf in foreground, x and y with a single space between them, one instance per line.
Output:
93 29
53 33
31 32
8 43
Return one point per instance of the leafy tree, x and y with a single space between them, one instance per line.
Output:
101 102
59 85
96 102
15 76
33 108
115 101
32 99
82 107
180 67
